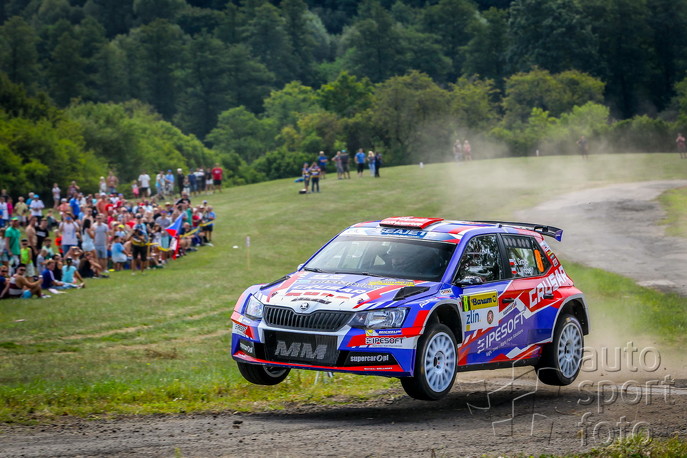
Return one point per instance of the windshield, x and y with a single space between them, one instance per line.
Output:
384 257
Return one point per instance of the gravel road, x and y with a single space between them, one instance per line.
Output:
613 228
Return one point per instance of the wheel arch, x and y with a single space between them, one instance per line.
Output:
447 314
576 306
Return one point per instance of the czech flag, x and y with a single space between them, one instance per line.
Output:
174 229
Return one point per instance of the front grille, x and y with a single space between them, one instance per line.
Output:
301 348
321 320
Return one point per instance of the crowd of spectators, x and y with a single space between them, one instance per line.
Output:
45 251
312 173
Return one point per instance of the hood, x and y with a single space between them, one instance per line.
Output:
345 292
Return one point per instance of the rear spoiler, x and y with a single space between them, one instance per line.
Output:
543 229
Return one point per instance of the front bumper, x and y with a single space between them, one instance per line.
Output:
384 352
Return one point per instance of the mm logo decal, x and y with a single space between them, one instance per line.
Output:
480 301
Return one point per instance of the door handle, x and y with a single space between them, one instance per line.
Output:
508 300
548 296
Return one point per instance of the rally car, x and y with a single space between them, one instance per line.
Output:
419 299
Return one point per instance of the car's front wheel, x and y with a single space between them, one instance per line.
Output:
263 375
435 365
561 359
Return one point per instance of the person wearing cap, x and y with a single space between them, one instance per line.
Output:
37 207
139 245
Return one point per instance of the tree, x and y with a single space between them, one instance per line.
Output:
550 34
18 53
206 85
265 33
285 106
555 94
301 39
410 112
150 10
625 53
249 80
485 54
450 21
372 46
346 95
240 131
473 104
161 55
67 70
668 21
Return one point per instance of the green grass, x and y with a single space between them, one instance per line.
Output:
675 204
159 343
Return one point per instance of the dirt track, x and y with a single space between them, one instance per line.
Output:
612 228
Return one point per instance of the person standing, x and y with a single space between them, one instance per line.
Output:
144 184
378 164
371 162
315 177
56 193
339 167
305 173
681 144
181 178
322 162
217 175
360 162
100 238
21 210
112 182
467 150
345 159
4 213
583 147
69 230
139 245
12 242
457 150
37 207
102 186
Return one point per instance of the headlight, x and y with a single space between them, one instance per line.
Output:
254 308
379 319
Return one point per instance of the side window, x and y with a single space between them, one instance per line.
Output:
525 257
480 259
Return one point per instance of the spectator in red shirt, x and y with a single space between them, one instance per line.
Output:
217 177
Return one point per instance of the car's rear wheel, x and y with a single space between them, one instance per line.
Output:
435 365
562 358
263 375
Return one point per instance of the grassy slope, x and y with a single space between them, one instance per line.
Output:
159 343
675 203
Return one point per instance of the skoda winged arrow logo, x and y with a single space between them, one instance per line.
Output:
304 307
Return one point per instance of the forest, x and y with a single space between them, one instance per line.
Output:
261 86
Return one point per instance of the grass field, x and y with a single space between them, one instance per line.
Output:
159 343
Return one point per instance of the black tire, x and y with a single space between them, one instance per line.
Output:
561 359
436 363
263 375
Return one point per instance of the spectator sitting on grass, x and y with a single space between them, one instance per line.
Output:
49 282
70 272
21 287
89 267
119 254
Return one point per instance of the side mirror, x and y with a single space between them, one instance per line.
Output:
470 281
